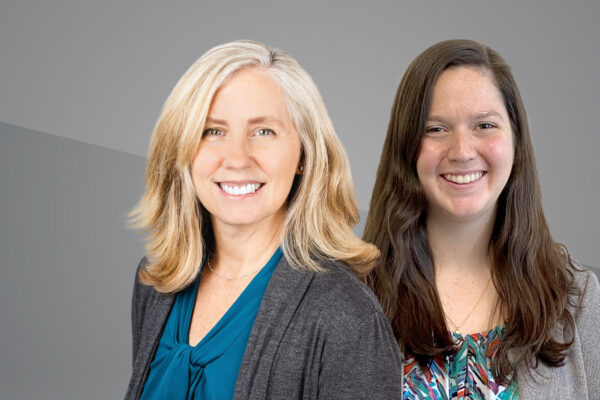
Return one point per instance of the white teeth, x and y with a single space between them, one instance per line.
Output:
464 179
240 190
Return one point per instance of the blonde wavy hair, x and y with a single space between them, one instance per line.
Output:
322 206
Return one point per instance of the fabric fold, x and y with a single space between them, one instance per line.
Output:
209 369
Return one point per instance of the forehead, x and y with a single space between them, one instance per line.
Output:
466 88
250 92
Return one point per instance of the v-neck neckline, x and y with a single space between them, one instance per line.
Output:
268 268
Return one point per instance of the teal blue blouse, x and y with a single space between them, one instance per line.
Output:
208 370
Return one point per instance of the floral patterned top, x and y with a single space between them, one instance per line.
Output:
464 375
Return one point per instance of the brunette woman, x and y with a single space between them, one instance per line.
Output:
483 302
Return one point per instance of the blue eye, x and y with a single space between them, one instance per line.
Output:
212 132
264 132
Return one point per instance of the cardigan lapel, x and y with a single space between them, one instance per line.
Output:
544 382
157 313
282 297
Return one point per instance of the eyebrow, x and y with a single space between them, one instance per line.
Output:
478 115
265 119
215 121
490 113
251 121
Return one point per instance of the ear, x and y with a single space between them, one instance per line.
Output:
300 168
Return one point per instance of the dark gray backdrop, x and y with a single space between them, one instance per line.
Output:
81 86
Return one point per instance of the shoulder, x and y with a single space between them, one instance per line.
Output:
585 352
141 266
144 296
320 335
359 355
149 308
586 297
340 298
140 291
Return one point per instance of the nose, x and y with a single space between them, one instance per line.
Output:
238 153
461 146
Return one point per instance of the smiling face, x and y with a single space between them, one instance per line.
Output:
249 152
467 151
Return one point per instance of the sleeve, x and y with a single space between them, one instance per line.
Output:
137 311
362 363
588 321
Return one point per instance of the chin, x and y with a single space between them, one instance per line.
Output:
241 220
470 213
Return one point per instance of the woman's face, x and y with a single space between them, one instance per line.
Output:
248 154
467 151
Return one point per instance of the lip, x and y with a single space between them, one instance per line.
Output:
463 173
239 183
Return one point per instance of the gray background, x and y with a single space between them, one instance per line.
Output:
81 86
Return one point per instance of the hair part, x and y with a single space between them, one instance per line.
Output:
321 209
531 272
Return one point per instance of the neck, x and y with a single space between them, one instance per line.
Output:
243 249
460 246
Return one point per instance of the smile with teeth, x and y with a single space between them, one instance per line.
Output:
463 179
240 190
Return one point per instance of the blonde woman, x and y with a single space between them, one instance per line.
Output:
248 289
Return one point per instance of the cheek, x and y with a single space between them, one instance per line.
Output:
428 160
206 160
283 168
500 156
500 153
283 159
201 169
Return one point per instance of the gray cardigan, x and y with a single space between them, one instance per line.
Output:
579 378
316 336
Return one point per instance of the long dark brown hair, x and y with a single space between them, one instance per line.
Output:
532 273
